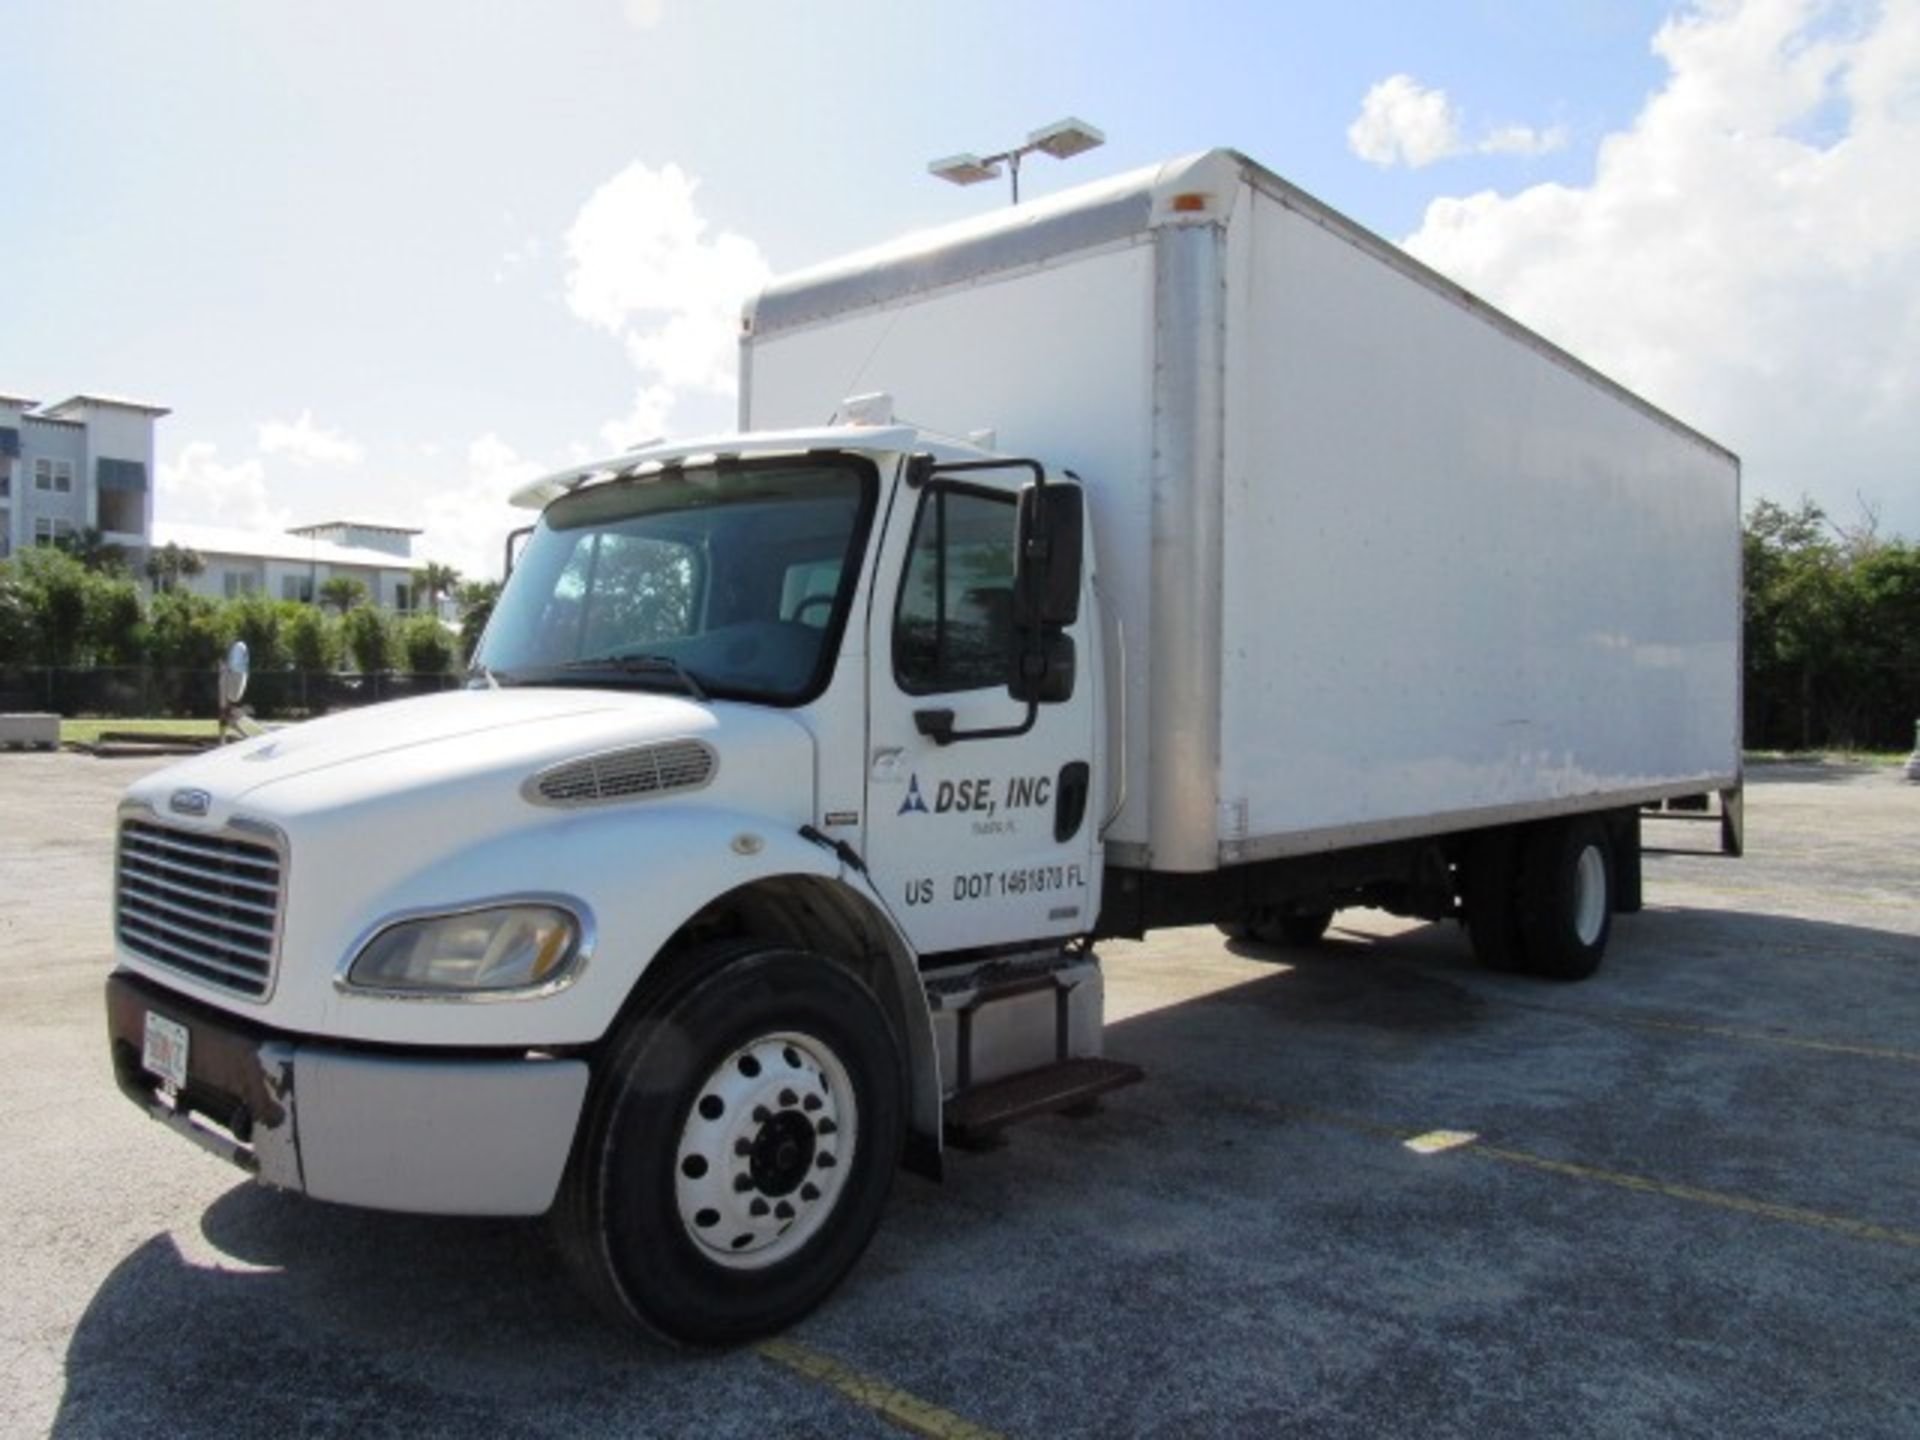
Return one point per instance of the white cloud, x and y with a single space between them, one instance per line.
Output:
1747 252
1523 140
466 524
647 420
1403 122
306 443
643 267
196 487
643 14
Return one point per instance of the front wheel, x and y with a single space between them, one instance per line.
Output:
739 1149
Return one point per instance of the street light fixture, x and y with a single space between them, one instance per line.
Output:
1063 140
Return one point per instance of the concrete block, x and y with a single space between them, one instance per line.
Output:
35 732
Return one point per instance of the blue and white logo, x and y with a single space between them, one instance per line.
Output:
913 804
190 802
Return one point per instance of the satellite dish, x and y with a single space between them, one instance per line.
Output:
233 674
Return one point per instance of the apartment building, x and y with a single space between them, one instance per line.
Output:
85 463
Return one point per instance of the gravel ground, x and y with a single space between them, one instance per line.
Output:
1690 1206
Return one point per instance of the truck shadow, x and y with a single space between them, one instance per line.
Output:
290 1316
318 1319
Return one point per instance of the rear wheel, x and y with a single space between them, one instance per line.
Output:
1565 898
1488 879
739 1149
1270 927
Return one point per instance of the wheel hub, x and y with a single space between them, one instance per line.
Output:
782 1155
765 1149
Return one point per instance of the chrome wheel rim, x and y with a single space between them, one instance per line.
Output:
765 1150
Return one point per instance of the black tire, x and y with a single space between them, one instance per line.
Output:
1488 895
1291 930
1566 897
1298 930
619 1218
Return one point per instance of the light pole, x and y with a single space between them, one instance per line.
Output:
1063 139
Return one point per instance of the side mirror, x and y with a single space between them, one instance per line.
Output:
1048 547
1046 582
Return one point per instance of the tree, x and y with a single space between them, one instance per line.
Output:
311 638
427 646
435 581
260 622
16 619
90 546
343 593
116 626
187 632
476 600
56 587
368 638
171 563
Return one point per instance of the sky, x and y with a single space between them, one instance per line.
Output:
387 261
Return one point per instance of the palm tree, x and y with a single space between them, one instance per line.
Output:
90 546
171 563
343 592
435 581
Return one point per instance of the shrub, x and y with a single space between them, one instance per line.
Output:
427 645
369 639
312 638
187 632
260 623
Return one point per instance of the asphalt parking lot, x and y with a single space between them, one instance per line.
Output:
1689 1202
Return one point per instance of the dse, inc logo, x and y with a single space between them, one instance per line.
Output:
913 804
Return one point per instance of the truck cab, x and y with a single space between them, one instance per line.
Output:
763 833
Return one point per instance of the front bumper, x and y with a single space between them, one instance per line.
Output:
391 1130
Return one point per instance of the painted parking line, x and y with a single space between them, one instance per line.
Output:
1792 1214
889 1402
1467 1143
1726 1032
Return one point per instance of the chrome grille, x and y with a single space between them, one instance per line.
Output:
626 774
205 905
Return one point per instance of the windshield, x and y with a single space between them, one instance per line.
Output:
729 580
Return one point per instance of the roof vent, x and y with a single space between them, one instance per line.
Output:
636 773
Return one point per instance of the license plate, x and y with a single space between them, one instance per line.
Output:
164 1052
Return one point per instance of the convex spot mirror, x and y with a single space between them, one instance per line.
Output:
1043 674
233 673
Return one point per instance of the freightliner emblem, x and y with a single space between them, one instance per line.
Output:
190 802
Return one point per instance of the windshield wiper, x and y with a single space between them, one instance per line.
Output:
641 665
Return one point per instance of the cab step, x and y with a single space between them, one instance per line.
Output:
978 1114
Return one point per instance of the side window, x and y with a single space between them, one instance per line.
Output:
953 627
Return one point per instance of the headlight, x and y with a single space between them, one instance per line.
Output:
502 948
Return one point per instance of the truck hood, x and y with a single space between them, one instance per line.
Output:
502 735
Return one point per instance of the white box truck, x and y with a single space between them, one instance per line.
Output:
1212 561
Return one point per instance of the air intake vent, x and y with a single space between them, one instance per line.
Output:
645 770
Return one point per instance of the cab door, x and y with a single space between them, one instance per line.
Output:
980 829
